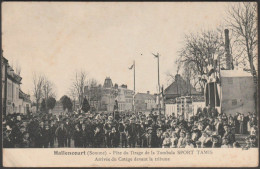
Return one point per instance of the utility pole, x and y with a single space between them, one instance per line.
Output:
159 91
1 106
133 66
134 89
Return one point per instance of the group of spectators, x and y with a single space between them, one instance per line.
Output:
206 129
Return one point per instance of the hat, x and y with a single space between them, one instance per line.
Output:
149 128
8 128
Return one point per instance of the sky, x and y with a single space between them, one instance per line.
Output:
102 38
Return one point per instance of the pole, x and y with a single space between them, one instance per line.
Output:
1 106
159 106
134 89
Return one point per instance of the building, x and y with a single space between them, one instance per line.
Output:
24 102
4 84
109 93
145 102
228 90
94 95
103 98
124 98
235 92
178 88
14 100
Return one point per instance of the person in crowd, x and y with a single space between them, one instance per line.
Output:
97 138
166 141
216 141
52 134
132 133
241 123
174 140
189 142
225 143
77 135
61 134
46 135
182 140
68 126
208 128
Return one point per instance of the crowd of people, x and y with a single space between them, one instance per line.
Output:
206 129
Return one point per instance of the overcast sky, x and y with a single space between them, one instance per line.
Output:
103 39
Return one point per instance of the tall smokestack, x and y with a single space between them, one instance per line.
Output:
229 61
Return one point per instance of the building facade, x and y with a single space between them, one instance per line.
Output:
14 100
103 98
125 98
24 103
145 102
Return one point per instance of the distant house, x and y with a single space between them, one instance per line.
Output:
145 101
14 100
178 88
24 103
124 98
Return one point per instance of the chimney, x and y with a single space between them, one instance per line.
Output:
148 92
228 56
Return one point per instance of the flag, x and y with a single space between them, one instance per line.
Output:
156 55
131 67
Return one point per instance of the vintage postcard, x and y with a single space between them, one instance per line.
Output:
129 84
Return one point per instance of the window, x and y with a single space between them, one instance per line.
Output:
234 102
17 93
9 90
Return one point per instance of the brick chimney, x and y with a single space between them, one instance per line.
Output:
229 60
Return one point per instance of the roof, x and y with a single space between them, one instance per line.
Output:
24 96
108 83
234 73
144 96
180 87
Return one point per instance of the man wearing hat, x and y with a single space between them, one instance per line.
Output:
132 133
61 133
148 139
8 141
108 129
69 128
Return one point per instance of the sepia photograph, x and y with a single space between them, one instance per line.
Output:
129 78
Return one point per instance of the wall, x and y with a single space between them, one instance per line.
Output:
12 97
237 95
172 108
22 106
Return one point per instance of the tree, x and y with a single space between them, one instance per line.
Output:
51 103
77 87
93 91
85 105
66 103
242 19
37 88
199 51
47 89
43 106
